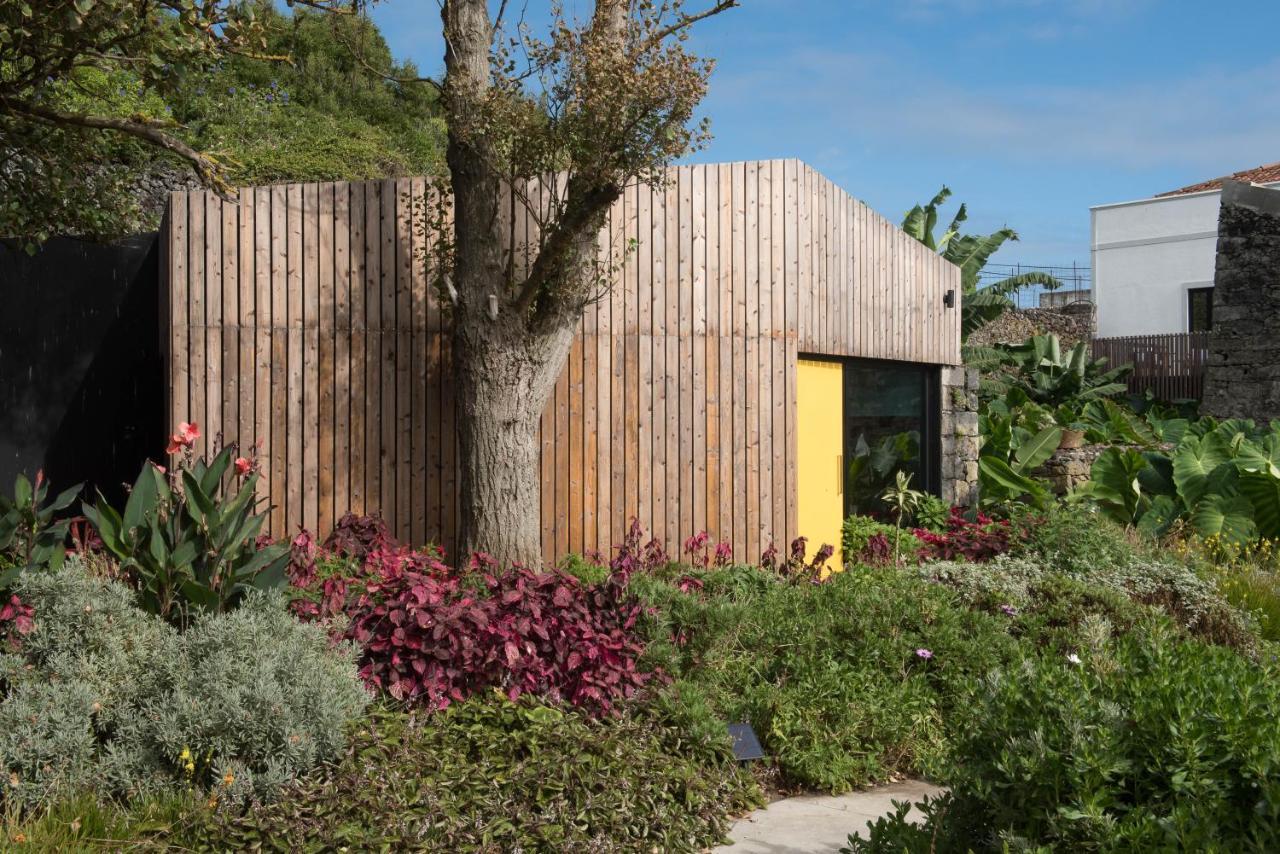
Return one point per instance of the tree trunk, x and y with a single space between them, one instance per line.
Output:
504 378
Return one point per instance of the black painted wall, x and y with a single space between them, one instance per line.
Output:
81 376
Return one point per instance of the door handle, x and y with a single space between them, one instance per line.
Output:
839 474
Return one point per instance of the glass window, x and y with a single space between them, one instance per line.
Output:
890 419
1199 309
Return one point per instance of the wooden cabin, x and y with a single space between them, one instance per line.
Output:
764 323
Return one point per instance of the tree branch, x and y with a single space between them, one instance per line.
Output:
145 129
686 21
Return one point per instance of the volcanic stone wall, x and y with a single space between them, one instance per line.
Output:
1242 379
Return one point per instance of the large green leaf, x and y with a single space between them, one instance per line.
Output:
1033 453
1194 460
1160 516
1262 457
998 480
1263 492
1227 516
1115 483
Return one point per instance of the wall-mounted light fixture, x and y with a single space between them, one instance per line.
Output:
949 298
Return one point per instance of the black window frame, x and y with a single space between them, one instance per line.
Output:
931 427
1192 293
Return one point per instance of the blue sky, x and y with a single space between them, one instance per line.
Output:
1030 110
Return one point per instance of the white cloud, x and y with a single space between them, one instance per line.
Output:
1208 121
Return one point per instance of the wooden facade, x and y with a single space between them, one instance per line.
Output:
300 318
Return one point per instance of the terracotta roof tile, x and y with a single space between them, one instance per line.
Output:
1267 174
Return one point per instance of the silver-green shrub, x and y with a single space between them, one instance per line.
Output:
105 697
1172 587
260 719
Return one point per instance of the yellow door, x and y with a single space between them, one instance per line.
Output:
820 454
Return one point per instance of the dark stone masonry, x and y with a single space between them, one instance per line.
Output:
959 429
1242 379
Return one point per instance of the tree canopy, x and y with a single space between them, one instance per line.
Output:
97 94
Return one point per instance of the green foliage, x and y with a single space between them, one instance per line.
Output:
872 468
1254 591
856 532
30 533
830 675
94 93
970 253
86 823
1221 479
1040 370
323 116
103 697
933 513
1054 603
191 549
1149 743
492 775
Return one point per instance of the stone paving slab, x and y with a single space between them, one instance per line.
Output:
818 824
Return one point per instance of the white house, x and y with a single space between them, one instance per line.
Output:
1153 258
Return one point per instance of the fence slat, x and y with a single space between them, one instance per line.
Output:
1170 366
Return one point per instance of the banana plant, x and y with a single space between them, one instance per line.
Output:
29 528
1004 474
970 252
1048 377
191 545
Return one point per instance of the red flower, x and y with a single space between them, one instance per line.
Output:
184 438
243 466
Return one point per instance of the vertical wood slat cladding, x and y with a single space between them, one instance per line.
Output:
303 319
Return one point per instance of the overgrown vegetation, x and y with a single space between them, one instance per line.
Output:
1149 742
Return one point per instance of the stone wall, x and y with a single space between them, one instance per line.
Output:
1071 323
960 442
1069 467
1242 379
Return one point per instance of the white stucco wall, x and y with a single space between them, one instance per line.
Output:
1146 255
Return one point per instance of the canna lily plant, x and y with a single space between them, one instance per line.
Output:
29 527
189 538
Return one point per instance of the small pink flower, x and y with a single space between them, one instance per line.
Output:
186 436
243 466
1009 610
924 653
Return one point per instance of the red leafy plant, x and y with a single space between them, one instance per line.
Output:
795 566
430 638
977 541
702 555
434 636
632 557
356 536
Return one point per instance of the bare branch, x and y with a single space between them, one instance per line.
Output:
685 21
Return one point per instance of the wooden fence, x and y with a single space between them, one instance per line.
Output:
1170 366
301 318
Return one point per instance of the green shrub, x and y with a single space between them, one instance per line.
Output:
1153 743
103 697
259 695
492 775
1038 586
856 540
1075 539
828 674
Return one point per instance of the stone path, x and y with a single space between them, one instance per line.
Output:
818 824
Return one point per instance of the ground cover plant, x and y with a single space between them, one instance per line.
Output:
490 774
1150 742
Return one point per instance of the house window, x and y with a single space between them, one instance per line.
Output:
1199 309
891 423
